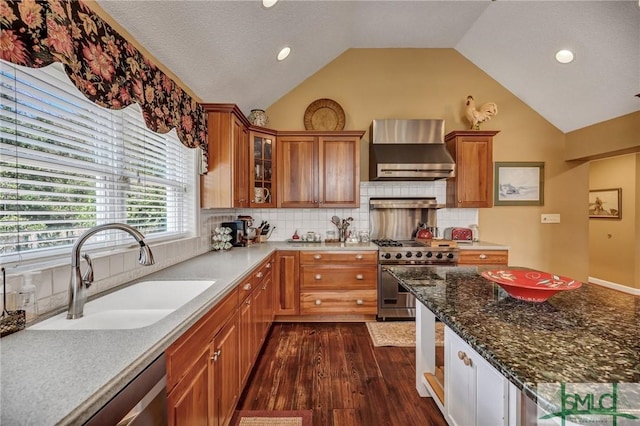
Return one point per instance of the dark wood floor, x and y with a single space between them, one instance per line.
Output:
334 370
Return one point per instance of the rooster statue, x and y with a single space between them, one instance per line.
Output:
475 116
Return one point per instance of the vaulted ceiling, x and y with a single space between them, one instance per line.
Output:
225 50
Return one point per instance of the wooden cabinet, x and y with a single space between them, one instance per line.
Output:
287 282
256 315
475 392
208 365
342 282
202 370
226 184
318 169
262 169
472 151
226 383
483 257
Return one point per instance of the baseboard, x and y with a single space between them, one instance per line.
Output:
615 286
324 318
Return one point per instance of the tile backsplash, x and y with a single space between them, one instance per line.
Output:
115 268
319 220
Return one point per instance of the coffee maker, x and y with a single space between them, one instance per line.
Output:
237 232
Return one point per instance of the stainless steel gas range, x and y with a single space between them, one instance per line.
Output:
393 223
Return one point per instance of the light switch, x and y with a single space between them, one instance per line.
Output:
550 218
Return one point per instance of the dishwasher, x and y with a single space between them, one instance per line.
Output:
142 402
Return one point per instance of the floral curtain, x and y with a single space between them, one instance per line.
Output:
103 65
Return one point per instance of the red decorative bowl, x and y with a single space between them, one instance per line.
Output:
529 285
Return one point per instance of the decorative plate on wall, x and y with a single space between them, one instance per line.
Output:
324 114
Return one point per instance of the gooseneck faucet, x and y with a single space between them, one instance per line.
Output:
81 282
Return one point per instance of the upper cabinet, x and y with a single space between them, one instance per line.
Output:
226 183
318 169
262 169
472 151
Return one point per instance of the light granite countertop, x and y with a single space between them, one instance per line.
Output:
481 245
51 377
586 335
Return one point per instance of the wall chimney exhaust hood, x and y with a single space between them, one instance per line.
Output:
409 150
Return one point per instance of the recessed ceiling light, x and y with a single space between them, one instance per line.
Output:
269 3
564 56
282 55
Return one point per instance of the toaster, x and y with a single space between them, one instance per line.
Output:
458 234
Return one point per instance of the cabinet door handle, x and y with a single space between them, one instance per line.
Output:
248 301
317 256
461 355
259 274
483 256
318 302
359 257
264 287
247 287
467 361
216 355
359 302
268 266
359 277
318 277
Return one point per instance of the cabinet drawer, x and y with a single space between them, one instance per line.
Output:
184 352
336 278
349 258
338 302
262 271
483 257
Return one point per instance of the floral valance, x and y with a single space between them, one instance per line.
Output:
103 65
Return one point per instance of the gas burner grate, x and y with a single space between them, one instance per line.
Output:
387 243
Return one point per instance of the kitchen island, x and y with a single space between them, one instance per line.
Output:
590 334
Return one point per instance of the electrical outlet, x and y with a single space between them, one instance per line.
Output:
550 218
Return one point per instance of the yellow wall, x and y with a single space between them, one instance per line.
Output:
612 242
619 135
434 83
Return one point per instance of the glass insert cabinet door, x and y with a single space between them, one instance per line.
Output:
262 170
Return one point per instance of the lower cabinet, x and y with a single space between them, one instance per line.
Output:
483 257
202 369
342 282
287 282
475 392
208 366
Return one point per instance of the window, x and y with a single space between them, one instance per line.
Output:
67 164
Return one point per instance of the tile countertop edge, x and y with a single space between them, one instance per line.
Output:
61 400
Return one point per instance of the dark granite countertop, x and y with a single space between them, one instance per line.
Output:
591 334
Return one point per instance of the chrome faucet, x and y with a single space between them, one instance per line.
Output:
81 282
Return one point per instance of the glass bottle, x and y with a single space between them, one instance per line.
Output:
28 298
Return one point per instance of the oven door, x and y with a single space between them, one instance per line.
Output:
394 301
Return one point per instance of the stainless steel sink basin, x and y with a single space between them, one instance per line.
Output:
136 306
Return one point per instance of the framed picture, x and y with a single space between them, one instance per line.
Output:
519 184
605 203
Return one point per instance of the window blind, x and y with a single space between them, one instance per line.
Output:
68 164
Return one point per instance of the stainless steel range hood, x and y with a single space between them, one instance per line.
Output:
409 150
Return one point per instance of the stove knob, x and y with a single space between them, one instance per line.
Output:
419 254
450 255
408 254
398 255
387 255
439 255
429 254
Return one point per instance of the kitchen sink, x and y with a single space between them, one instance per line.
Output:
136 306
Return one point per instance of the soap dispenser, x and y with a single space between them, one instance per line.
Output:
27 297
